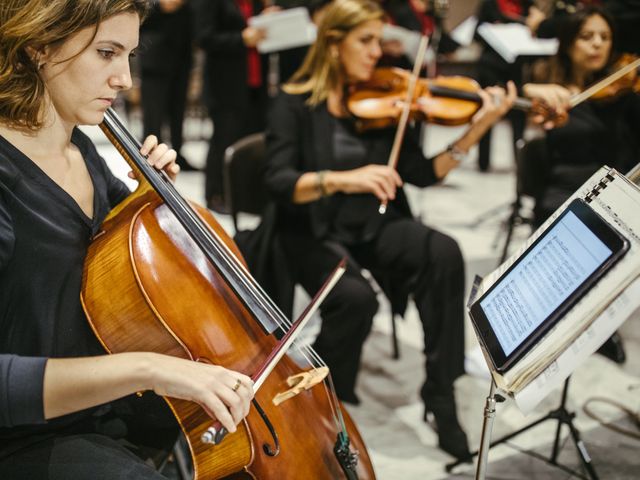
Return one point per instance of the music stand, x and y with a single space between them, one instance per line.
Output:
561 414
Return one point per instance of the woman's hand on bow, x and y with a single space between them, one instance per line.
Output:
224 394
555 97
380 180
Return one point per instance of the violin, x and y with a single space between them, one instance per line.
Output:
156 241
624 79
451 100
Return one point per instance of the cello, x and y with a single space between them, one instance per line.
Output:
156 241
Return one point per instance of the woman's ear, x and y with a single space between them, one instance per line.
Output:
37 55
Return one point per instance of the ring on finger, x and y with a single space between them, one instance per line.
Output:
237 385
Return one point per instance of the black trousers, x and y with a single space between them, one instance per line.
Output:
230 124
123 442
405 249
164 100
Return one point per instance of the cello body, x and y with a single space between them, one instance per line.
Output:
147 287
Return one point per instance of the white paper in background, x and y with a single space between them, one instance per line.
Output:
511 40
410 40
623 307
286 29
463 33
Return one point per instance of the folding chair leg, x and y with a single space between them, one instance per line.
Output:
394 338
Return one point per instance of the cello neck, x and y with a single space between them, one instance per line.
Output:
266 313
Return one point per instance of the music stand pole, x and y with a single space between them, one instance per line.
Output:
487 428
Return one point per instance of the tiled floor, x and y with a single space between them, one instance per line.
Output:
472 207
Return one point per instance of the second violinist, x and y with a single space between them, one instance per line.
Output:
328 180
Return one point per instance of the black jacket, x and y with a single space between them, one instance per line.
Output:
165 40
218 31
299 140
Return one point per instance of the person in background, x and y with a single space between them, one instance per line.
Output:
234 81
328 180
495 70
68 410
419 16
597 133
165 64
626 14
290 60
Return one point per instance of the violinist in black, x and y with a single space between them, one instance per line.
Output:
598 132
328 180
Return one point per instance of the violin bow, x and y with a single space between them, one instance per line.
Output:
596 87
406 108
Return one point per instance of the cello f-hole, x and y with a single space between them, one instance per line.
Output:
268 449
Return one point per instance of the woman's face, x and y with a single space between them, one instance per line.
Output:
592 47
81 89
359 51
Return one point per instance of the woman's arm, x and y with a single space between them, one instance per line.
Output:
75 384
284 169
495 104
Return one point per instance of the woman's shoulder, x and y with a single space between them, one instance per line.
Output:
291 98
9 173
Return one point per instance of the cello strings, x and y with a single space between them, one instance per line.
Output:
232 261
181 208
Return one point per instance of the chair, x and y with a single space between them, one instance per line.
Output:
244 190
531 174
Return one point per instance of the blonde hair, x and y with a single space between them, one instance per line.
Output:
34 24
320 72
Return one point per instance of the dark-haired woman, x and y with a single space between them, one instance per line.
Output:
598 132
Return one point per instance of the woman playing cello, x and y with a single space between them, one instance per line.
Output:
328 181
63 62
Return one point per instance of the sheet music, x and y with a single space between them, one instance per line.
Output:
288 28
511 40
410 40
626 305
463 33
618 202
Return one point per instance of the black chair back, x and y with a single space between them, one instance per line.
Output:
243 186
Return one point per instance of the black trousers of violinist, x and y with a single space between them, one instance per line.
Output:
405 249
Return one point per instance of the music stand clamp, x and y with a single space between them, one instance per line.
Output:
561 414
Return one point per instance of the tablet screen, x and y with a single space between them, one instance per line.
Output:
542 280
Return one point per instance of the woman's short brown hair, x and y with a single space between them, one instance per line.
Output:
35 24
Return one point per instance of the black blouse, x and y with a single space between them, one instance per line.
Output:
44 236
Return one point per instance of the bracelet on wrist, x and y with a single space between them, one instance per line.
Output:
322 188
457 153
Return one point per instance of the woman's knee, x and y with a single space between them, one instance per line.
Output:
353 299
445 251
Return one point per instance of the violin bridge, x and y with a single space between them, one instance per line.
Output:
300 382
